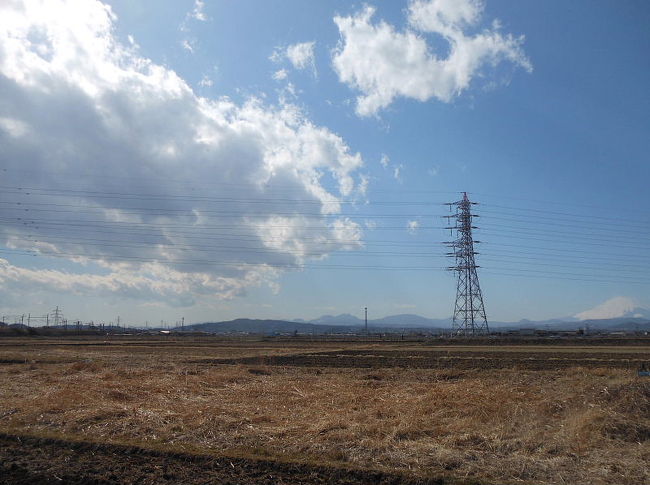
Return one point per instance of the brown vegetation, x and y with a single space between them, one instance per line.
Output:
498 425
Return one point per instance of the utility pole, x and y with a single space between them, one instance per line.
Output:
469 311
182 323
366 318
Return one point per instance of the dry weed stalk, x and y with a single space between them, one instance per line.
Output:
575 426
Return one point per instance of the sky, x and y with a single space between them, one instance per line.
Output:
268 159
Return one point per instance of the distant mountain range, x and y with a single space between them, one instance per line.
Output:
616 314
403 320
270 327
247 325
346 323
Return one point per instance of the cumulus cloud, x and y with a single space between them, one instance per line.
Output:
412 227
384 63
119 153
152 282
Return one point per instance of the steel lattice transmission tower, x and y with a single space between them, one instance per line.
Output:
57 315
469 311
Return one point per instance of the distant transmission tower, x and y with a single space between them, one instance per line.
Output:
57 315
469 312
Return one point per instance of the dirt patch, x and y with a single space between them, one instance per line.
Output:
46 461
34 361
439 360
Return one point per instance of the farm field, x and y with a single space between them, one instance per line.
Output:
215 410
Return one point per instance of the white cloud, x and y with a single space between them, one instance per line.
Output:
364 181
206 82
288 93
618 306
115 122
444 16
397 172
301 55
433 171
278 55
13 127
396 169
188 44
280 75
197 12
383 63
412 227
152 282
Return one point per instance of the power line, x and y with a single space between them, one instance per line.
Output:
233 264
588 237
566 277
588 225
240 249
557 202
499 257
95 194
585 241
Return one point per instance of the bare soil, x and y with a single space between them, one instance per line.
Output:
448 359
48 461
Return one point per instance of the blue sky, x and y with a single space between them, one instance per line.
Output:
268 159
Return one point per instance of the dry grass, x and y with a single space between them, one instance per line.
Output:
579 426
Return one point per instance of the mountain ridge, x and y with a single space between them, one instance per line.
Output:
394 323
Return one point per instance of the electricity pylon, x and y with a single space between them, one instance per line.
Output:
469 311
57 315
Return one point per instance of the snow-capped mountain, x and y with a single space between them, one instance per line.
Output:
617 307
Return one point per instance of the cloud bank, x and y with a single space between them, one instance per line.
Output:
112 159
384 63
